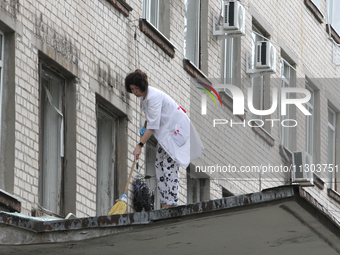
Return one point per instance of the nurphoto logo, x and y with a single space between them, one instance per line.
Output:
239 102
204 97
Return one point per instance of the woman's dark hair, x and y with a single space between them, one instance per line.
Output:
137 78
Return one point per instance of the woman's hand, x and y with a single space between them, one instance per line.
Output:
137 151
143 140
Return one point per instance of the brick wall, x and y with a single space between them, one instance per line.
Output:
95 43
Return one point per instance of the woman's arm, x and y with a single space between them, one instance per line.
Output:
138 150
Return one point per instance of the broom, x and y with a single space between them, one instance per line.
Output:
120 206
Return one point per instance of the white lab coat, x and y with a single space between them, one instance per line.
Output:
172 128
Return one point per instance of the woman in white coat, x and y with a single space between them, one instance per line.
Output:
178 141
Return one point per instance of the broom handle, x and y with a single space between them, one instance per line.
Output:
131 171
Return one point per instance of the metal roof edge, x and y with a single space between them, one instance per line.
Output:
141 218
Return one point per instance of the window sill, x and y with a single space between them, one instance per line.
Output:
334 34
284 152
121 6
318 182
227 100
315 10
9 203
334 195
157 37
194 71
263 134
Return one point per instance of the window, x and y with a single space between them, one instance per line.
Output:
151 11
2 167
333 17
107 131
260 84
229 74
194 190
198 189
317 3
257 82
192 31
1 72
8 109
313 122
286 81
310 122
226 193
111 153
150 157
228 61
157 12
331 144
52 140
230 67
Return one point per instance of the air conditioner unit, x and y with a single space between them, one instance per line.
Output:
265 56
302 170
234 18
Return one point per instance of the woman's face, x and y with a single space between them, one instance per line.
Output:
136 90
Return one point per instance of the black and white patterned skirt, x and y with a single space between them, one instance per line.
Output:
167 177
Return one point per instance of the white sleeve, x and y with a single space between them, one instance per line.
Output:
154 110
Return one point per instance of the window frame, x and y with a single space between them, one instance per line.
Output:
229 75
149 13
258 81
228 69
44 195
196 59
2 52
330 12
158 32
332 176
150 156
194 190
255 37
316 4
157 14
2 43
197 187
310 122
286 82
109 178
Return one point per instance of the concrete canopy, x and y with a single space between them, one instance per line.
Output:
281 220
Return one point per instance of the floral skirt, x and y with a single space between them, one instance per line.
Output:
167 177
